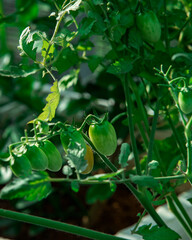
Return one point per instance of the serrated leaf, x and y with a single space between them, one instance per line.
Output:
144 181
26 42
69 79
17 71
120 67
50 52
157 233
124 154
71 7
34 188
52 102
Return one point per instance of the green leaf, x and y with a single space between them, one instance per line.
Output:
159 202
94 62
134 39
17 71
124 154
66 59
86 26
69 79
70 7
49 54
75 156
99 192
75 186
36 187
27 40
157 233
52 102
144 181
120 67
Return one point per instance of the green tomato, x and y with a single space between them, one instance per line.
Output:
149 26
72 136
20 165
54 157
37 158
185 100
90 160
103 137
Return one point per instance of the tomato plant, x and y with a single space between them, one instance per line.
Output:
104 138
54 158
80 60
185 100
37 158
149 26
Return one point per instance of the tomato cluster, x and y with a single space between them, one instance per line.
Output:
39 158
43 155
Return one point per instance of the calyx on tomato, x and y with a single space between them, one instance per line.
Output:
149 26
103 137
54 157
185 100
37 158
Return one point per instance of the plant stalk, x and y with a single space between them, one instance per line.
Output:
48 223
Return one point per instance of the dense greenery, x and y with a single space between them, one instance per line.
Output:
108 77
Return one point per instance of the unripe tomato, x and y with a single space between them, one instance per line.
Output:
73 135
53 155
185 100
149 26
90 160
20 165
104 138
37 158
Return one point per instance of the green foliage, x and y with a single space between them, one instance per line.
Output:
32 188
91 54
52 102
157 233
